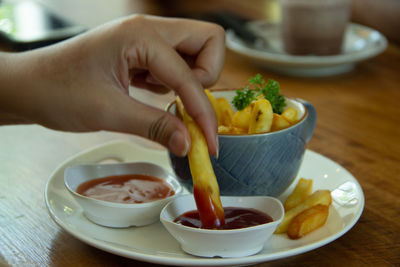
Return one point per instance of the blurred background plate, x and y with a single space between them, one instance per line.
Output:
360 43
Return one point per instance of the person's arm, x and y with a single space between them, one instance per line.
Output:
8 84
382 15
82 84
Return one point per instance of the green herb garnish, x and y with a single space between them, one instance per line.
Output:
271 93
269 89
243 98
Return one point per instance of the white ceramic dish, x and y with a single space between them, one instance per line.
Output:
154 244
223 243
360 43
118 214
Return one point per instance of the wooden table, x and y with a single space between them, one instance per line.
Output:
358 127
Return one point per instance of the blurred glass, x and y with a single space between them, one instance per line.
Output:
314 27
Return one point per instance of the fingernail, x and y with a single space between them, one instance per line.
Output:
175 140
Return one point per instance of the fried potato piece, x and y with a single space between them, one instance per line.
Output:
214 103
308 221
302 190
322 197
222 129
261 117
205 185
231 130
290 114
279 122
241 118
237 130
225 110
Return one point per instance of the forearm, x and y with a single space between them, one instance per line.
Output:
11 83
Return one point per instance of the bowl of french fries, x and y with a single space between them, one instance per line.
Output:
262 136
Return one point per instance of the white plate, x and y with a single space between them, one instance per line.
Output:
154 244
360 43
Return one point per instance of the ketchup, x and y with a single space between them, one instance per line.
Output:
235 218
210 214
130 188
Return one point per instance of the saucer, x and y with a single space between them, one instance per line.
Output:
360 43
153 243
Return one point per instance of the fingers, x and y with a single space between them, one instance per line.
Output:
158 56
203 41
146 81
209 51
135 117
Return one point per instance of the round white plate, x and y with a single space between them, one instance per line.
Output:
360 43
154 244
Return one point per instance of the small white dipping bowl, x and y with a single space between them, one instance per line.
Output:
222 243
119 215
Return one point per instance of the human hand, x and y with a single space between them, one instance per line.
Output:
82 84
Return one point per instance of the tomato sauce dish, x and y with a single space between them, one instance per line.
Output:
124 194
250 222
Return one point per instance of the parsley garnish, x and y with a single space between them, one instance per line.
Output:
243 98
271 93
269 89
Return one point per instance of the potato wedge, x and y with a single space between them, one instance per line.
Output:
222 129
308 221
322 197
261 117
214 103
290 114
302 190
279 122
225 110
241 118
205 185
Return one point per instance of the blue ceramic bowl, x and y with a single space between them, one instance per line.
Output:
257 164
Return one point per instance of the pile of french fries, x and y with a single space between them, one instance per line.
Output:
304 211
258 117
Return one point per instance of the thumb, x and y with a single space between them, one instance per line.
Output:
137 118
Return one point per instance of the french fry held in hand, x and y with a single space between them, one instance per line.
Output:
308 221
322 197
205 185
302 190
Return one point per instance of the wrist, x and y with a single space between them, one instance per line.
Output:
13 84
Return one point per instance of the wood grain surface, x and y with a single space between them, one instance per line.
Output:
358 127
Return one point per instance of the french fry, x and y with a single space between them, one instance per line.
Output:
205 185
302 190
308 221
290 114
279 122
241 118
237 130
261 117
322 197
222 129
225 110
214 103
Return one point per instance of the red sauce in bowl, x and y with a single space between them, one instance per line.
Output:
128 189
235 218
